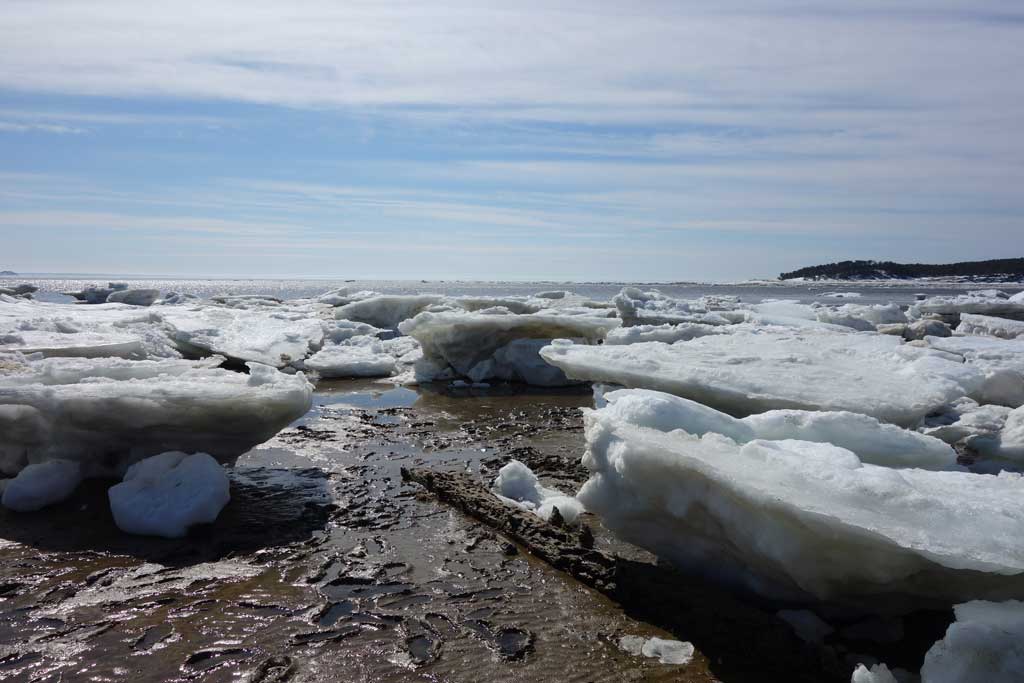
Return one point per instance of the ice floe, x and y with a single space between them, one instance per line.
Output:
167 493
1001 361
990 326
755 370
358 356
873 442
805 521
108 413
268 337
499 345
387 311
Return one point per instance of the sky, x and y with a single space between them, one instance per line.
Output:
643 141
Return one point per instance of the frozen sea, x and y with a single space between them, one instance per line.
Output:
52 284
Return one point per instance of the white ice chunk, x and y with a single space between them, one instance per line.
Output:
879 673
984 645
108 413
668 334
517 484
865 318
387 311
73 344
871 440
355 357
42 484
272 338
990 326
753 371
668 651
1001 361
637 307
166 494
481 346
134 297
1006 448
806 521
983 303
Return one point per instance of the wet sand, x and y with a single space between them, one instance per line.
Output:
325 566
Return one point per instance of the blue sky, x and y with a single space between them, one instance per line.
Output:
570 140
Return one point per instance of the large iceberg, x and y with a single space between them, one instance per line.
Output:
798 520
497 345
108 413
873 441
272 338
760 369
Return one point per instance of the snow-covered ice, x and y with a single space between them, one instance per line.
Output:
167 493
387 311
272 338
1003 449
873 441
517 484
806 521
41 484
987 302
108 413
667 334
134 297
1001 361
755 370
484 346
990 326
984 645
360 356
864 318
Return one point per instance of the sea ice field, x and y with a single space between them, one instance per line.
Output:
256 480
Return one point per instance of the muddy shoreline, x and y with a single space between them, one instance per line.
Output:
327 566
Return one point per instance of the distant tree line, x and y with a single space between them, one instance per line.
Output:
871 270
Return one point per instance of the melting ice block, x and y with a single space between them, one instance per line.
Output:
755 370
108 413
985 644
42 484
517 484
806 521
166 494
483 346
